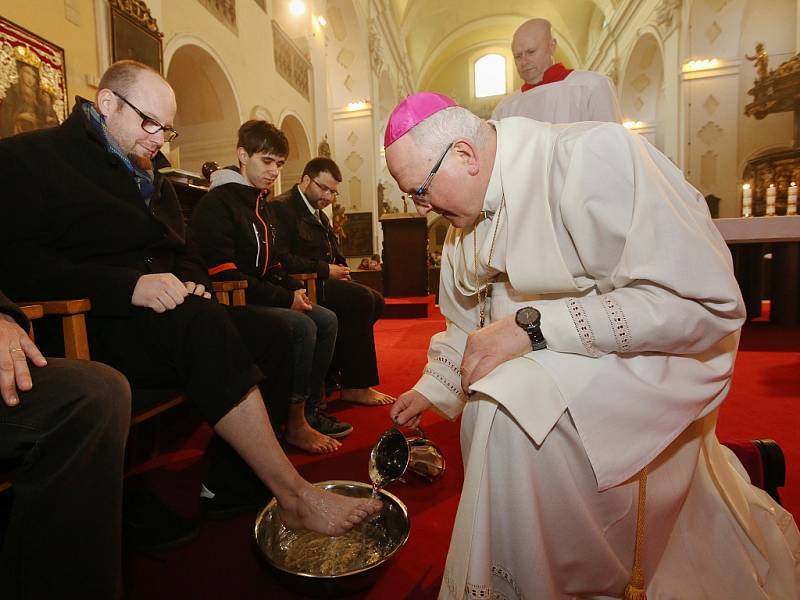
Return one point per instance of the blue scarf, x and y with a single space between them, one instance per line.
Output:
143 178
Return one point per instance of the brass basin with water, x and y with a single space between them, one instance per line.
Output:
301 556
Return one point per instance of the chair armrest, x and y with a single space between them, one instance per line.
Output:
32 311
66 307
309 280
73 324
223 290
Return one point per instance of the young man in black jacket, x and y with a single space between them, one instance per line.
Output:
63 426
306 243
104 224
234 230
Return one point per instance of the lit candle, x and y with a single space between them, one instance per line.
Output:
771 200
747 200
791 204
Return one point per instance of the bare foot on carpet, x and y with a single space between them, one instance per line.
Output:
310 440
326 513
366 396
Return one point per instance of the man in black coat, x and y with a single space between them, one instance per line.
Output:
104 224
305 243
63 426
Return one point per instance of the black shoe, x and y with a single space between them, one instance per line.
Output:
329 425
221 503
150 526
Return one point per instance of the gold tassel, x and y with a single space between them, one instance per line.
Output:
635 590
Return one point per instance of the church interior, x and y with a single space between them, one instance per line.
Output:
714 85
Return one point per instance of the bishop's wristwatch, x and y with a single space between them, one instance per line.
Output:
530 320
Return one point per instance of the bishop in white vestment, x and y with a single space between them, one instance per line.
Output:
640 314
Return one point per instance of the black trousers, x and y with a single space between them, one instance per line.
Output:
214 354
67 437
357 308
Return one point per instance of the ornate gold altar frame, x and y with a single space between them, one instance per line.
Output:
33 88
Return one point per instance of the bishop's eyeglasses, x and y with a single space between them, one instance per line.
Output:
419 195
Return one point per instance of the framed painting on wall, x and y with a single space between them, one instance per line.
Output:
356 239
33 89
135 34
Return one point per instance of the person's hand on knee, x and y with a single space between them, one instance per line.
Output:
15 350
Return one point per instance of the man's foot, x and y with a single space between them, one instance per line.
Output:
310 440
329 425
324 512
366 396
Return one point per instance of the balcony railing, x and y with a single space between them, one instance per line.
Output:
290 62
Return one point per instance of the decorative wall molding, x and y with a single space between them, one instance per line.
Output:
711 104
712 32
717 5
375 50
354 161
708 168
710 133
667 17
224 11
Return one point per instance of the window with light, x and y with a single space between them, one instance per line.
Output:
490 76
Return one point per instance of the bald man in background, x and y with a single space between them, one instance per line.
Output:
551 92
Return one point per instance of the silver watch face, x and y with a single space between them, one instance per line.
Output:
527 316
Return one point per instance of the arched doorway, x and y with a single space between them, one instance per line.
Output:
641 93
208 115
299 151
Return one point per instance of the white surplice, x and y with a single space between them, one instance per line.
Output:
581 96
641 314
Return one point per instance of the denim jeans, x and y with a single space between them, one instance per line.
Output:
313 343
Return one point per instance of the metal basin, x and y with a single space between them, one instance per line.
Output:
319 565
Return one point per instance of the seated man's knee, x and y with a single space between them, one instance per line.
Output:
98 393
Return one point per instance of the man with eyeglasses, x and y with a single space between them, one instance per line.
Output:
86 213
592 325
306 244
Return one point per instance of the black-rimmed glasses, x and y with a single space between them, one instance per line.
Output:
419 195
325 189
149 124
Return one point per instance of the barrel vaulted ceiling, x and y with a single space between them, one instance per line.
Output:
435 30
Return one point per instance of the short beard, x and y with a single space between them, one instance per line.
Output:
145 163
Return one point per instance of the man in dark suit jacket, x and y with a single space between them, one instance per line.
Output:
63 423
306 244
104 224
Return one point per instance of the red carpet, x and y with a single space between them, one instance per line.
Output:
221 563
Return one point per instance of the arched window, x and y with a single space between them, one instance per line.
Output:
490 76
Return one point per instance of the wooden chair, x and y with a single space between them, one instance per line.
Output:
230 293
309 281
148 404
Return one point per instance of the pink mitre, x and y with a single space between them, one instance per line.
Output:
411 112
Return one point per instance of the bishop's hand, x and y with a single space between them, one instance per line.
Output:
491 346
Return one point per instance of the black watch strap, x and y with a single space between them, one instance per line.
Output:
537 338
